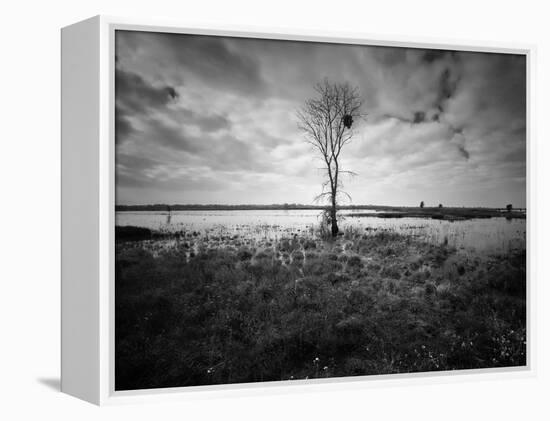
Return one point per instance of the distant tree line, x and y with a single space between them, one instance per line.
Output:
162 207
159 207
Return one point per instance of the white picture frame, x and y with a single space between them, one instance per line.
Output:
88 215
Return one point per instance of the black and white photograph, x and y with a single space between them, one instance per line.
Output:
295 210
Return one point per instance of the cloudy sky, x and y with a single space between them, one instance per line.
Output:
213 120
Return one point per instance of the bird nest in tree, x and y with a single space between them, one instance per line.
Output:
348 121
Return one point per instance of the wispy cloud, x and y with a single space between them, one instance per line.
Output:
212 119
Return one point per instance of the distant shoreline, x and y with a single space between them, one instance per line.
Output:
444 213
165 207
162 206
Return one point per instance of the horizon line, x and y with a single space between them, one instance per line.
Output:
302 205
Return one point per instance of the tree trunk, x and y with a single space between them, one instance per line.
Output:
333 221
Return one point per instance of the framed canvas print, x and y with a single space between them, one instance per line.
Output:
244 210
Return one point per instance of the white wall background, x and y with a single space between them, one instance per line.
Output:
29 230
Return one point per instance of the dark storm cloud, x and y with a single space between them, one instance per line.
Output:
429 56
224 108
463 151
123 126
208 58
224 152
494 88
211 59
134 96
419 117
487 90
137 95
390 57
414 85
447 86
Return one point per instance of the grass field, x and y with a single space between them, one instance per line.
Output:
301 308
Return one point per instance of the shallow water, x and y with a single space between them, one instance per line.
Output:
493 235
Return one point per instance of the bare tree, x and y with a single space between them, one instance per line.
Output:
327 122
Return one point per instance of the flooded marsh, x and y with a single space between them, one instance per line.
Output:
267 297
